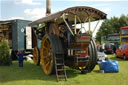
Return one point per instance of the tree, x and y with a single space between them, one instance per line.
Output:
4 53
112 25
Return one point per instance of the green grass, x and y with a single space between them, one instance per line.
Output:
33 75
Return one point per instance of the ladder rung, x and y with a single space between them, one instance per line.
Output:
59 53
60 69
61 76
59 64
59 58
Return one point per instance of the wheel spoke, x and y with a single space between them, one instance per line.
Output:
44 56
46 44
34 56
47 63
45 48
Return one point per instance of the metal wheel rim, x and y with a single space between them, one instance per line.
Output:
46 56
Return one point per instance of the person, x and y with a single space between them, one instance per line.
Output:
98 46
103 46
20 55
114 48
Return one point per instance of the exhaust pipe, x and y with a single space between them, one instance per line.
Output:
48 7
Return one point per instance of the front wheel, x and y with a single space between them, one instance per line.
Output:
36 56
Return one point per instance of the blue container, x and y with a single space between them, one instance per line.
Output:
110 66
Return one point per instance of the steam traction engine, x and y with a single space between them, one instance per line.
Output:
65 41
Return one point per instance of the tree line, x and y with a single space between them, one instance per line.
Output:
112 25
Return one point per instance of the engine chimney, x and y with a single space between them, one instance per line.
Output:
48 7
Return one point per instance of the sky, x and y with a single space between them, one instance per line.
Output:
35 9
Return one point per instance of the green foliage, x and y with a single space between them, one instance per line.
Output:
4 52
112 25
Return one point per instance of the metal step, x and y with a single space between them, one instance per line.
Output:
60 69
59 64
62 76
59 59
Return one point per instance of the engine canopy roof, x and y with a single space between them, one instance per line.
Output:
83 12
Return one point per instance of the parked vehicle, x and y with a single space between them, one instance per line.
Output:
108 49
18 34
124 34
122 52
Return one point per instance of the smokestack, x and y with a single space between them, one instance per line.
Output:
48 7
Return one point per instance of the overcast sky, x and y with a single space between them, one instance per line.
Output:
35 9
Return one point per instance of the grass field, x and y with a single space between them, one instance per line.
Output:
33 75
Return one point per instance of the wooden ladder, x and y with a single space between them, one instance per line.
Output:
60 67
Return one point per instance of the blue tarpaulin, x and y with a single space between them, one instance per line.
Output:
109 66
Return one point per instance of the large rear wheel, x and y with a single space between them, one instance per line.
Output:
51 45
46 56
92 52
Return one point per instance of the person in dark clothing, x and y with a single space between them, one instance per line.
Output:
114 48
20 55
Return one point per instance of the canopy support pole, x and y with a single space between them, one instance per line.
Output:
67 25
95 26
89 25
75 24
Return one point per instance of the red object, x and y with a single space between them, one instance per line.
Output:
126 27
109 48
122 51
